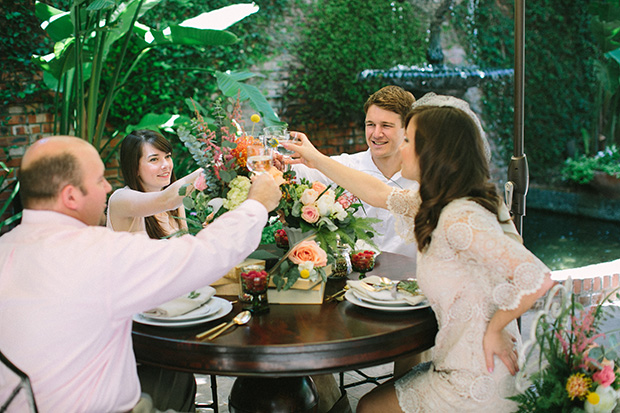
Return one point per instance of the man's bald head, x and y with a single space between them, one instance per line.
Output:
48 165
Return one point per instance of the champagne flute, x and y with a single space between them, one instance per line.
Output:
275 135
259 159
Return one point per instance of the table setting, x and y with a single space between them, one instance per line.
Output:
197 307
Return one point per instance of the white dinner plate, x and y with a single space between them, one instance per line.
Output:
209 307
225 307
390 303
350 297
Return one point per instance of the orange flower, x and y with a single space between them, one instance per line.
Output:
578 385
308 251
241 151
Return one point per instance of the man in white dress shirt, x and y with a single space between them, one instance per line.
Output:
385 132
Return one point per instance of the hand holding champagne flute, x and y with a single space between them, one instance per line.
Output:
259 158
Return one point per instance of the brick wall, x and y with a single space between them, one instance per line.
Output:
20 126
592 283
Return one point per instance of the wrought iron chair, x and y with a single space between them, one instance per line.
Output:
24 384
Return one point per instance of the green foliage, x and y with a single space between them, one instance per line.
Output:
165 77
560 86
12 187
606 30
339 39
98 44
20 36
581 169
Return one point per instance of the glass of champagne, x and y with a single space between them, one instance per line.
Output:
260 158
274 136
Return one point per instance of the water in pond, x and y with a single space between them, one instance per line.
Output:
566 241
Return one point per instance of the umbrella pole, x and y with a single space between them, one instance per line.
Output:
518 172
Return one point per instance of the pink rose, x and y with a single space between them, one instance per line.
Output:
309 197
310 214
318 187
308 251
200 183
605 377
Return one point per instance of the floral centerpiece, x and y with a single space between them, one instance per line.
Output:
323 213
220 148
312 218
572 370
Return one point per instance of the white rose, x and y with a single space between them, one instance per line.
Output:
608 398
339 212
325 203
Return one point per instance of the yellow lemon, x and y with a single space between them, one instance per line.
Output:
255 118
272 142
304 274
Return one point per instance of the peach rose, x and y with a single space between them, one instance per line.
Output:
308 251
309 197
310 214
318 186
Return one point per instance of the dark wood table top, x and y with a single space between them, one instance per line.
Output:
296 340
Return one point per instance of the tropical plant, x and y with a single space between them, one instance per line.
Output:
91 59
605 27
12 188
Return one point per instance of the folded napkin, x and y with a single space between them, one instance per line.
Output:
183 304
378 288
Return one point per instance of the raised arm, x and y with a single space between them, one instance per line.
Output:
130 203
367 188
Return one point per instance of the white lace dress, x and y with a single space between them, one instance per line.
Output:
470 269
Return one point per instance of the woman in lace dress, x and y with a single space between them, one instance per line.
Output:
476 274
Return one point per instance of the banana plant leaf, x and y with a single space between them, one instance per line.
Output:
230 83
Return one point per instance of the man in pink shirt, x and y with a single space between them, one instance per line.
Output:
69 288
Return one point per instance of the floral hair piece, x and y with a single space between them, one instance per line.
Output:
432 99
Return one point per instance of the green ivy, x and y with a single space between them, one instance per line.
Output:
157 88
560 86
340 38
20 37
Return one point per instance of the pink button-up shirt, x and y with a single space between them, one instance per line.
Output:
68 293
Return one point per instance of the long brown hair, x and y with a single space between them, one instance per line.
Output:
452 165
132 150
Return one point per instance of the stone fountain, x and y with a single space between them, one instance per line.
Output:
435 75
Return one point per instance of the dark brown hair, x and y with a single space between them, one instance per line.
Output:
392 98
452 163
44 178
132 150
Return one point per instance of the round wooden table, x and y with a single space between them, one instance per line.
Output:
296 340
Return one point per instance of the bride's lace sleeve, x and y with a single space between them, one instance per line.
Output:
404 204
477 238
